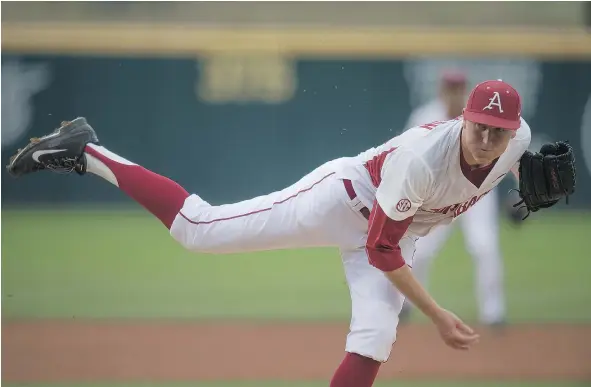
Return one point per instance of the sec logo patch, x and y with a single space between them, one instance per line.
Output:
403 205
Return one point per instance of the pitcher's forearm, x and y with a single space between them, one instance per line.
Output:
408 285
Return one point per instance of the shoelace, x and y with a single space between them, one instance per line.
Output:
63 165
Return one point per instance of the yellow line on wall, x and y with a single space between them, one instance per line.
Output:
317 42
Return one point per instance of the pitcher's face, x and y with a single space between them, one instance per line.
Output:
485 143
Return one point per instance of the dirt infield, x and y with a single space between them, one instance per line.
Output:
187 351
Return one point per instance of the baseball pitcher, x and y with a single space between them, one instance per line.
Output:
480 226
372 206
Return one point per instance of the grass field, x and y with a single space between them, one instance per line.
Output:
124 264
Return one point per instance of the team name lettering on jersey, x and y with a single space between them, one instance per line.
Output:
459 208
432 125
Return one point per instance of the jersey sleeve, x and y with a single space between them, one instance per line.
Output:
402 191
519 145
515 170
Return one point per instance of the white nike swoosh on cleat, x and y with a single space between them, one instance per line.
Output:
45 152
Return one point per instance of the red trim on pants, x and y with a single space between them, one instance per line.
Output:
256 211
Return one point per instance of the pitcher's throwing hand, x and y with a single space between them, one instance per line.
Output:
454 332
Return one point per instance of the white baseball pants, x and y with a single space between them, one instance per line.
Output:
480 226
315 211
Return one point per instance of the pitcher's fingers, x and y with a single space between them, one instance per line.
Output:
466 339
472 338
471 335
452 344
465 328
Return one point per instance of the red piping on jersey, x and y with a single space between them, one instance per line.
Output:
257 211
374 166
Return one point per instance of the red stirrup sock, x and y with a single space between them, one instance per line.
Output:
356 371
158 194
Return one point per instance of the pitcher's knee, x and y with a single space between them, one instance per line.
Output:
372 342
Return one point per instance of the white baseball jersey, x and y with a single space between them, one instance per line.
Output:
420 179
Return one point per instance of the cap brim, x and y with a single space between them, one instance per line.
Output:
487 119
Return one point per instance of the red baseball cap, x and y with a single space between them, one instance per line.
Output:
494 103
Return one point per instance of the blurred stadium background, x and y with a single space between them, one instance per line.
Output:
238 99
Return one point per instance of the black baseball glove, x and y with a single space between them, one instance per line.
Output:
546 176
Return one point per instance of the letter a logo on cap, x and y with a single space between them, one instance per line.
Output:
485 96
494 101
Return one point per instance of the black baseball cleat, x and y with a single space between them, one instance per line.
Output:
60 151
